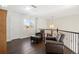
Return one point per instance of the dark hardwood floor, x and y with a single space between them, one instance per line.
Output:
24 46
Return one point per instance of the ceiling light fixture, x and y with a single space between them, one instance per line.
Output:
30 7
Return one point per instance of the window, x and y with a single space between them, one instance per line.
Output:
28 23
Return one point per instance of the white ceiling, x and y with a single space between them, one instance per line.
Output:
40 10
44 10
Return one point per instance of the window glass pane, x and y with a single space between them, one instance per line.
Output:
28 22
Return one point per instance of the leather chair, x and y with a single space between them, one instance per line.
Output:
36 38
54 46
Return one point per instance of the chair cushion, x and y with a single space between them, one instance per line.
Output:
51 38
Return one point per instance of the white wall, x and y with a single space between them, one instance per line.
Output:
41 24
68 23
15 25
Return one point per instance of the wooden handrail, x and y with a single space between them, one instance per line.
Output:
62 30
69 31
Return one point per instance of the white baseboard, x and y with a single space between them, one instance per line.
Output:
17 38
